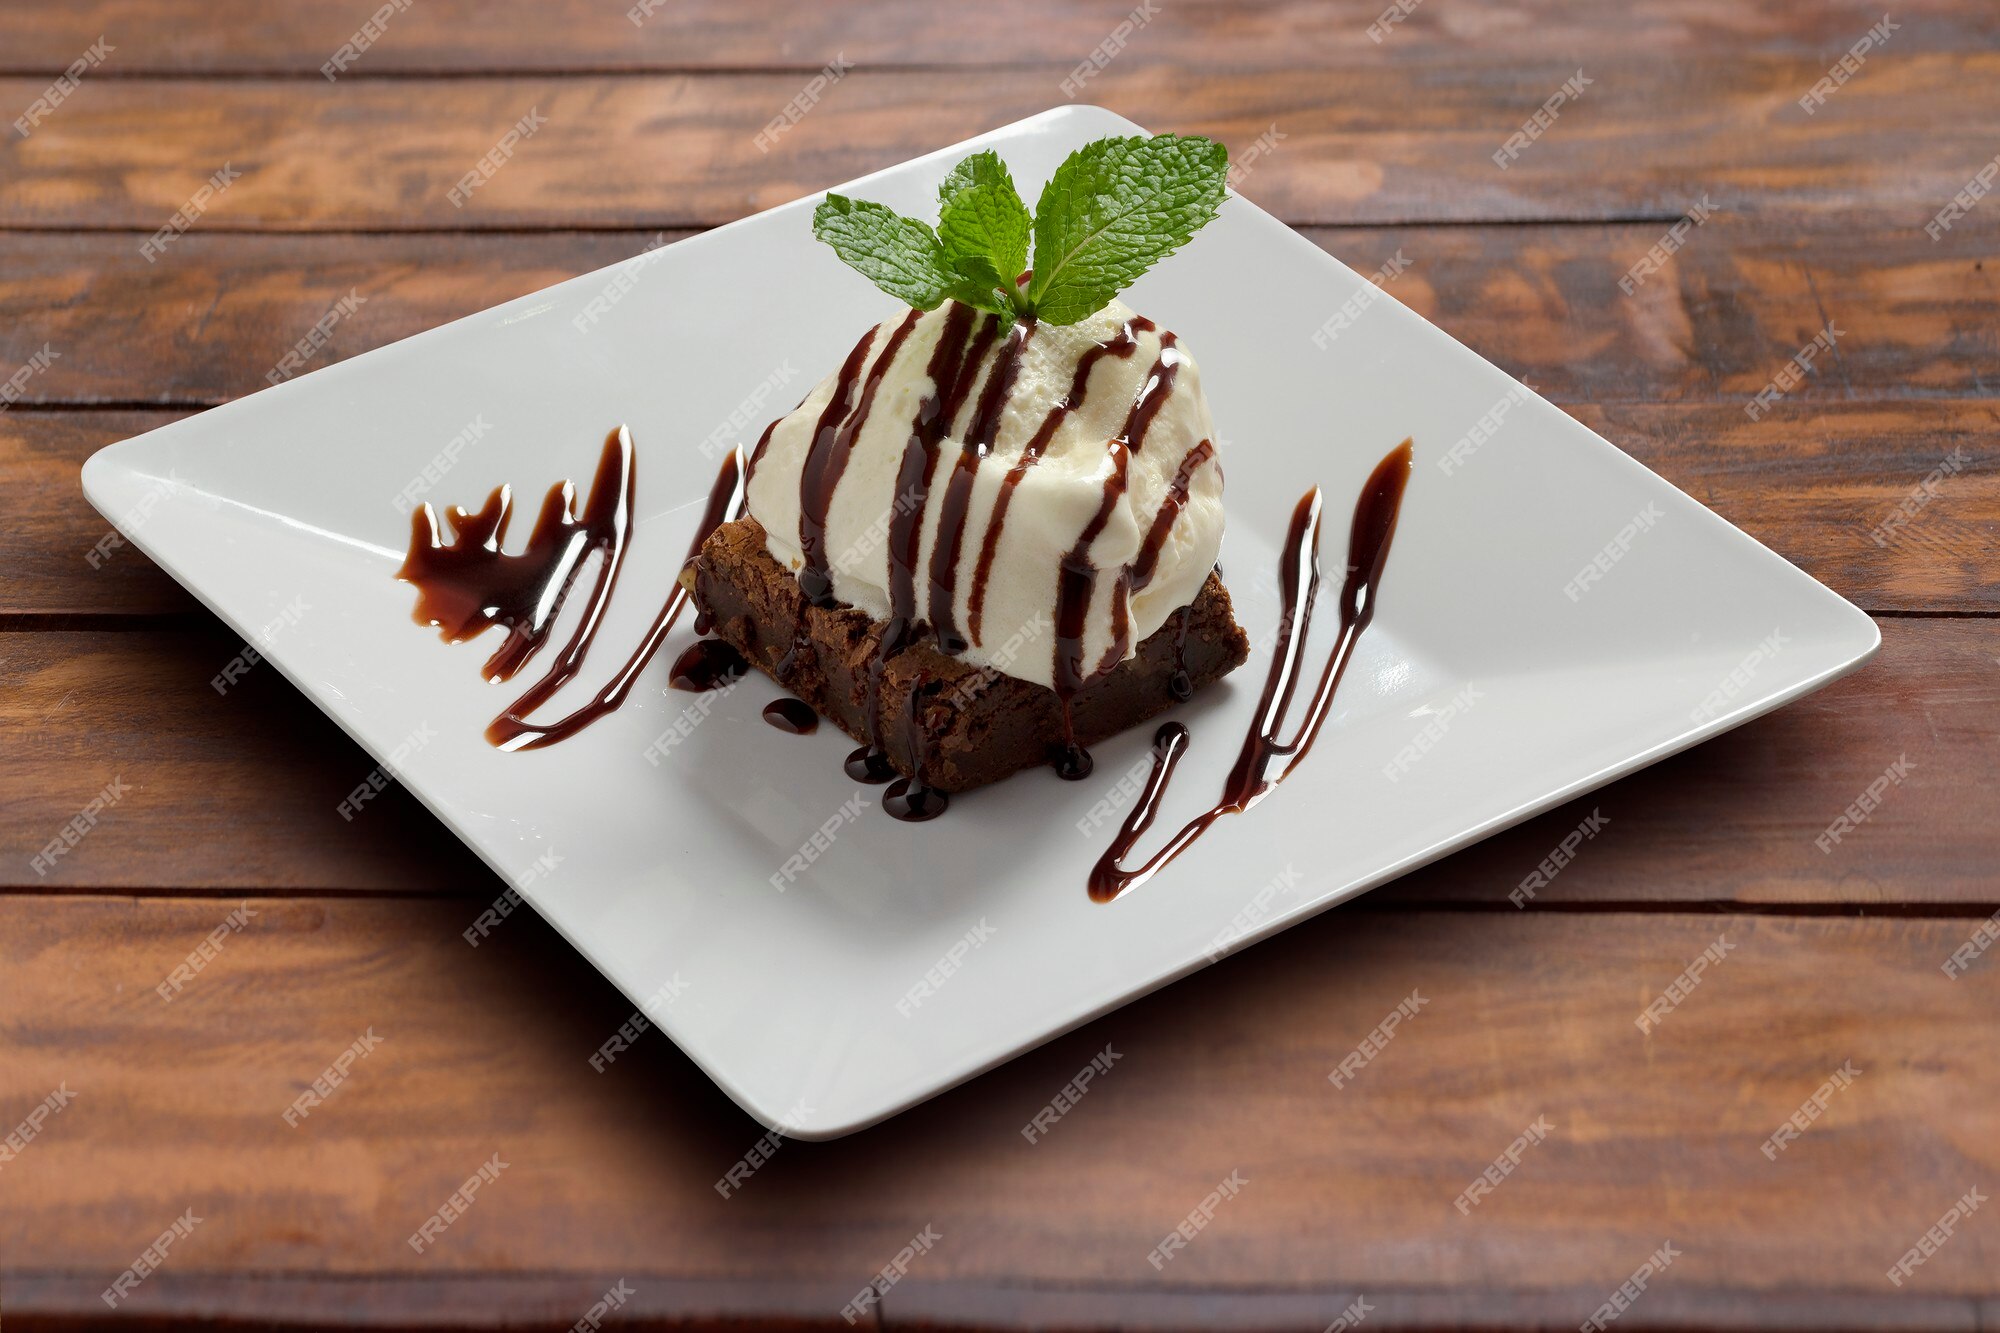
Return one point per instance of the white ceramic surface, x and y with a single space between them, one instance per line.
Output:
660 873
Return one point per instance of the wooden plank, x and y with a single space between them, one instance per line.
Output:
49 532
1811 480
1653 1138
245 36
205 324
237 793
1646 139
538 1303
1817 487
1723 317
518 1302
216 791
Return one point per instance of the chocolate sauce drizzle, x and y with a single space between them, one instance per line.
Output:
1076 580
840 422
1120 345
799 644
1251 779
1153 394
911 799
952 371
468 584
957 501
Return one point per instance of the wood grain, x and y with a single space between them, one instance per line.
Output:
49 531
1654 1138
1811 480
1646 140
218 313
1740 298
236 793
245 36
1816 488
250 794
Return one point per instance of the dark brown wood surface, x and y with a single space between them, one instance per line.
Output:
197 38
1655 1137
1349 1191
675 150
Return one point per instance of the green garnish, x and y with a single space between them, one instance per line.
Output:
1113 209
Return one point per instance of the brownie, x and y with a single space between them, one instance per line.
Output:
952 725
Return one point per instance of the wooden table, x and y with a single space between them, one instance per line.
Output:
1831 957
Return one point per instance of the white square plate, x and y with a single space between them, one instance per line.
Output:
660 874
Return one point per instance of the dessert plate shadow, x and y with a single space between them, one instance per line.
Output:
824 964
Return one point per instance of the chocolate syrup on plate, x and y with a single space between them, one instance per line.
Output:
707 664
870 765
467 584
791 715
1074 763
913 802
1252 778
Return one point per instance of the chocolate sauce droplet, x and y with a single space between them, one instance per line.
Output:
708 664
1074 764
912 802
870 765
1180 686
817 587
791 715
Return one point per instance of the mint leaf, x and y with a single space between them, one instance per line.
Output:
981 216
983 287
898 254
1113 209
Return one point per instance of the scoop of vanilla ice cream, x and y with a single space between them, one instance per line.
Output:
1151 393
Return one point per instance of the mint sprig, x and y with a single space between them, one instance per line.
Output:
1113 209
981 217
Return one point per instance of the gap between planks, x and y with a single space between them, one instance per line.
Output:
1910 911
1615 218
